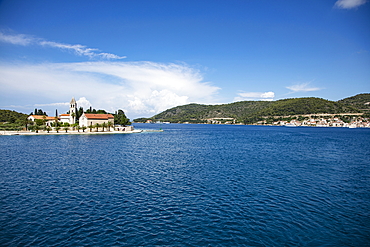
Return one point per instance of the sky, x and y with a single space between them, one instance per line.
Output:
147 56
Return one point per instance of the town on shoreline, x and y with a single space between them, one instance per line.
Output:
346 120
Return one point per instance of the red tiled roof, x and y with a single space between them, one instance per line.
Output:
64 115
99 116
42 117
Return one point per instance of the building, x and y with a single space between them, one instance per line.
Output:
73 111
71 117
65 118
48 120
91 119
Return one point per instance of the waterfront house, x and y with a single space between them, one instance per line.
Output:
48 120
91 119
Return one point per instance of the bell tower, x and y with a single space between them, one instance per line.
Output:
72 111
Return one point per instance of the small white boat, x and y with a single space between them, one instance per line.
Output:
290 125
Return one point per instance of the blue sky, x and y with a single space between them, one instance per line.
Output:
147 56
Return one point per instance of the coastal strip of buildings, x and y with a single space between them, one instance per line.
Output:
86 120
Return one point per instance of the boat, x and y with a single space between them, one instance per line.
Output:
290 125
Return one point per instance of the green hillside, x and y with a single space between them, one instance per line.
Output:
12 116
359 101
253 111
302 106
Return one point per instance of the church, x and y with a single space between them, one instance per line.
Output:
85 120
71 117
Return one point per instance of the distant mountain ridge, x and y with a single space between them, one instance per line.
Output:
252 111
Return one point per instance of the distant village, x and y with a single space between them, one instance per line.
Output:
348 120
356 122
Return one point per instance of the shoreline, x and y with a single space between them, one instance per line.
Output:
41 132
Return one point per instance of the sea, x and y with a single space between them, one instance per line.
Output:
190 185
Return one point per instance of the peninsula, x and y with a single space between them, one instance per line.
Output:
349 112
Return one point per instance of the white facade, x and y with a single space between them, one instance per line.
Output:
65 118
92 119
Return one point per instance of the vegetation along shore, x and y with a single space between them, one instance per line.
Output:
349 112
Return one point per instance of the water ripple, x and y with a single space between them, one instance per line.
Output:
191 185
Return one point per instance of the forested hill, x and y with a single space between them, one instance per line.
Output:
12 116
359 101
251 111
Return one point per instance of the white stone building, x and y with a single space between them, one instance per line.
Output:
48 120
91 119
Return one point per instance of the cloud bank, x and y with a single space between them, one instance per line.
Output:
349 4
138 88
266 96
81 50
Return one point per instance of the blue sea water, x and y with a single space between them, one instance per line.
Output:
191 185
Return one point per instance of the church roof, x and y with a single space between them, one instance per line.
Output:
98 116
73 101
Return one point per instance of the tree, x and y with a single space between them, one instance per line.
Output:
44 120
83 128
37 127
97 127
91 127
66 129
40 112
110 124
56 119
48 129
27 122
31 127
78 128
104 125
57 129
121 119
38 122
79 113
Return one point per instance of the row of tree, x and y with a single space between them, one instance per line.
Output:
96 126
12 120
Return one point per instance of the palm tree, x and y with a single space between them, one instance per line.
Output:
110 124
66 129
104 125
78 128
57 129
97 127
37 128
91 126
56 121
83 128
48 129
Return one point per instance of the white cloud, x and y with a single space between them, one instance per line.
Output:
302 87
81 50
52 104
83 102
16 39
266 96
349 4
138 88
